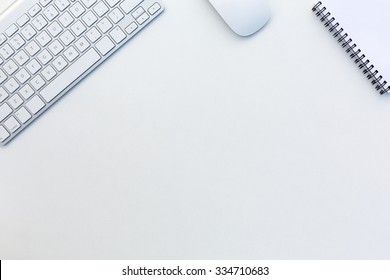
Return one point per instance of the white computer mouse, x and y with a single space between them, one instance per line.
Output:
245 17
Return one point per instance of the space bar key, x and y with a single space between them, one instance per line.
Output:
70 75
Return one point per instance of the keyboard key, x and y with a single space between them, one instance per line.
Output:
101 9
67 38
21 57
6 51
35 105
49 73
128 5
26 92
78 28
11 85
88 3
17 42
12 124
62 4
93 34
71 54
43 39
37 83
131 28
22 76
154 8
33 48
33 66
89 18
3 94
66 19
10 67
54 29
3 134
144 17
112 3
60 63
77 10
105 45
118 35
5 111
11 30
23 20
104 25
2 39
28 32
56 47
3 76
138 12
34 10
116 15
15 101
50 13
82 44
39 22
45 57
71 74
23 115
44 3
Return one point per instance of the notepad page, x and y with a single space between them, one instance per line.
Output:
367 23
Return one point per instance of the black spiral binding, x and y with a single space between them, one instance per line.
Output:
351 48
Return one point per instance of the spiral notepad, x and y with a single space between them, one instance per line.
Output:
362 28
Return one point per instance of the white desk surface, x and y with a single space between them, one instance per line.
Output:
192 143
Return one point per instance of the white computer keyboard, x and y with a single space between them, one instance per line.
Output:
47 46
